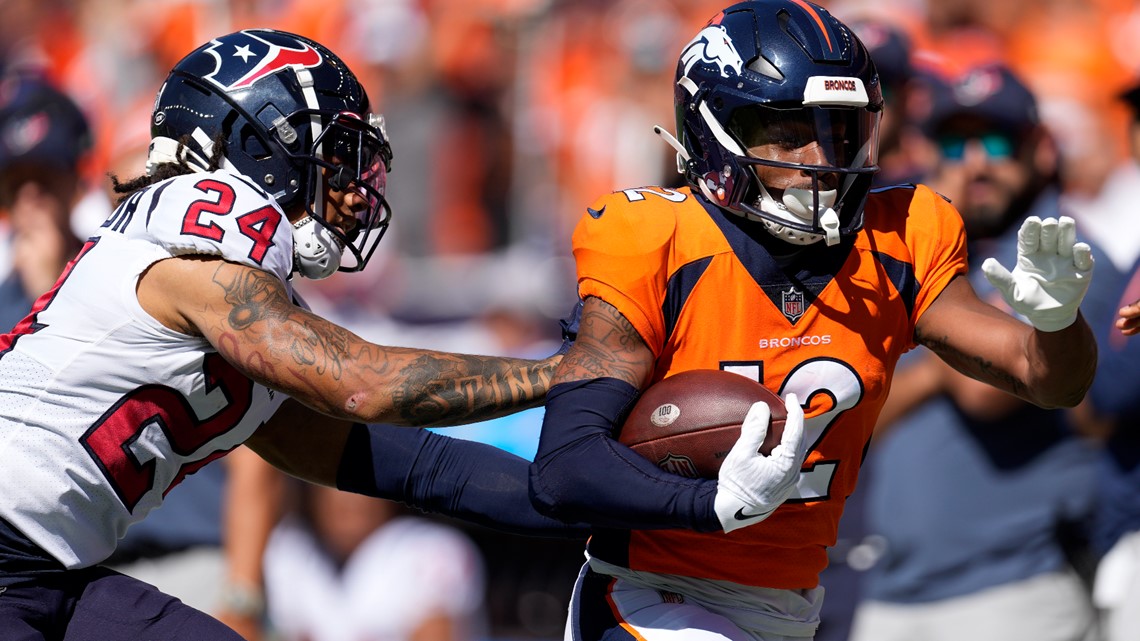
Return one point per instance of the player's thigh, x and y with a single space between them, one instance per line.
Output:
606 609
116 607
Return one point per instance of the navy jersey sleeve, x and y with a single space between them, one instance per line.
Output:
582 474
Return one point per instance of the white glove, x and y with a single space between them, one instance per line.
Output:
750 485
1052 274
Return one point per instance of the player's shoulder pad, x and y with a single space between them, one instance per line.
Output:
633 221
221 214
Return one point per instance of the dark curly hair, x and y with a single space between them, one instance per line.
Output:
167 170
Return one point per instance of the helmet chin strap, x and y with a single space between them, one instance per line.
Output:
799 203
316 250
682 153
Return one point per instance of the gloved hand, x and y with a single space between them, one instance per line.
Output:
1051 276
569 327
750 485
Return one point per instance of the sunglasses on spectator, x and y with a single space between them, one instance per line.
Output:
996 145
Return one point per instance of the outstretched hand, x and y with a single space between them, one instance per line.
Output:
1051 276
751 485
1129 320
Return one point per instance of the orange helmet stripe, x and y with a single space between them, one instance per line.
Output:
810 10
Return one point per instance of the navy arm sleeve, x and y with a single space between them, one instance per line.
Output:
581 473
467 480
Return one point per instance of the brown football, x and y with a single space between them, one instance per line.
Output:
688 422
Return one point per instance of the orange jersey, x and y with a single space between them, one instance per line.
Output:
702 294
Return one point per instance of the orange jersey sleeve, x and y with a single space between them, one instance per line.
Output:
625 253
933 234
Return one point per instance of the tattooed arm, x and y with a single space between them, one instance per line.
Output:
1049 369
607 345
580 472
246 315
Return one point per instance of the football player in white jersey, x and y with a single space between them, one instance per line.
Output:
175 336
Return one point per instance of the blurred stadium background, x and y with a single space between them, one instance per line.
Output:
507 118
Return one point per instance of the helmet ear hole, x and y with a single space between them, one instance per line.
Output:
252 146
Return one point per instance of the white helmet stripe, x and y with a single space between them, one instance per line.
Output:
718 132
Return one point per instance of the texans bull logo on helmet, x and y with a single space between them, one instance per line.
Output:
243 62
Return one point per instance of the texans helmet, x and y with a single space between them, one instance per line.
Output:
290 114
779 74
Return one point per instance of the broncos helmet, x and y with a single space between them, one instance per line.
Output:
291 114
779 74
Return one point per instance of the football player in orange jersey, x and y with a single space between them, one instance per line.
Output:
777 261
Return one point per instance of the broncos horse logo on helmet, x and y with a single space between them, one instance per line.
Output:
803 78
290 115
712 45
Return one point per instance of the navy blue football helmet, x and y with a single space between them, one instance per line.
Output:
779 75
291 115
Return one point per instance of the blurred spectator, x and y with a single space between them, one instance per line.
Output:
1109 216
904 153
1112 409
43 139
994 492
346 567
473 155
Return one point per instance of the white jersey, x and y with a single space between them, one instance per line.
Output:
103 409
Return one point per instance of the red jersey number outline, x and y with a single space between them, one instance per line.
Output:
110 439
258 225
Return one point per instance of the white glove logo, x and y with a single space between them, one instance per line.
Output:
750 485
1052 274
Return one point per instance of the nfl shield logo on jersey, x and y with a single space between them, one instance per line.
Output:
677 464
792 304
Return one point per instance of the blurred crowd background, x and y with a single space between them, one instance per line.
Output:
507 118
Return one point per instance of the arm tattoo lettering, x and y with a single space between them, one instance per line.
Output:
450 389
976 367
